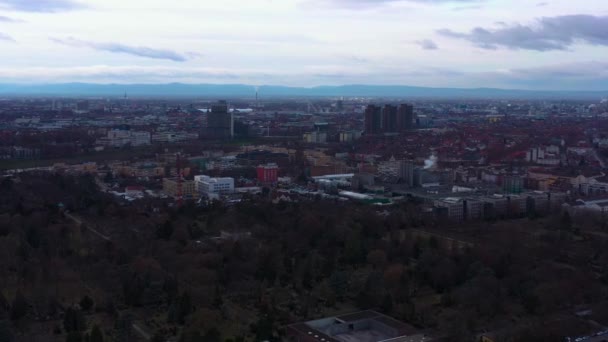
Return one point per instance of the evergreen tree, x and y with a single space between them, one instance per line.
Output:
5 307
159 336
86 303
74 336
96 334
566 222
212 335
184 308
74 320
165 230
19 307
171 288
6 334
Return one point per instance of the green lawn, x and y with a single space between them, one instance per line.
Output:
120 154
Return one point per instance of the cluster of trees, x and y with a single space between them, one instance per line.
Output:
281 263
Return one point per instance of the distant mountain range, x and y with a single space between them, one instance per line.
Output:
241 90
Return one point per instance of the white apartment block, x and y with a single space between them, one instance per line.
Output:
208 185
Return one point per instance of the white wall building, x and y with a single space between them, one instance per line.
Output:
315 137
208 185
119 138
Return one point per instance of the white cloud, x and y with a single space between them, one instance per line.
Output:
277 41
140 51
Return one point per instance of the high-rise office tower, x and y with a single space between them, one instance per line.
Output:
373 120
405 117
340 106
389 119
220 123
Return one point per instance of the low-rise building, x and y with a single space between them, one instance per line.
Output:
516 206
494 207
171 188
350 136
206 185
315 137
451 208
134 191
268 173
119 138
364 326
473 209
538 203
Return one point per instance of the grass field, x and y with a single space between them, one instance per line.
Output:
121 154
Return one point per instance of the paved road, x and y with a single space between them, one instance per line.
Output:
143 333
79 222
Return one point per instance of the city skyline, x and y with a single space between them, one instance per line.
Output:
551 45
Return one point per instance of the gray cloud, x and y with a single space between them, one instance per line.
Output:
4 19
40 5
427 44
548 33
139 51
6 37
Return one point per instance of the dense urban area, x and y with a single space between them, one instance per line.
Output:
303 219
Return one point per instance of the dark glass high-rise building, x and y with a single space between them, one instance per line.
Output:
373 120
220 123
388 119
405 117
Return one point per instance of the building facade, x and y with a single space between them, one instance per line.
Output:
268 173
388 119
220 123
171 188
206 185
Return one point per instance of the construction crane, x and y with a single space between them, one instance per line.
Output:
180 179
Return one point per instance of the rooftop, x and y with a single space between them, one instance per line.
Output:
364 326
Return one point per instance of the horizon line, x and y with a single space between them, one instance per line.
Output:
310 87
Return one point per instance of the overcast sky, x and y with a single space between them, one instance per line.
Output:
550 44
